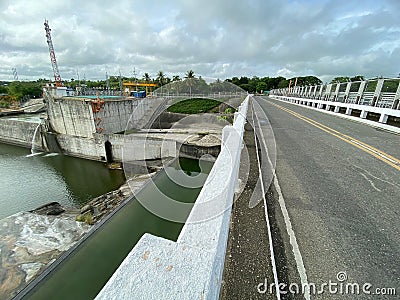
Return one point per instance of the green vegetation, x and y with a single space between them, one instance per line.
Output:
264 84
86 218
13 93
22 90
7 101
229 110
222 118
193 106
342 79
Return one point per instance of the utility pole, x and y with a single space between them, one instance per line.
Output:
15 74
120 82
107 82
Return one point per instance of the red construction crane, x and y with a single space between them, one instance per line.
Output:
57 77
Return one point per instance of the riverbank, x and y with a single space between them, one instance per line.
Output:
31 242
82 271
29 181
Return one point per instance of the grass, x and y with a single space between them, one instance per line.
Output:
193 106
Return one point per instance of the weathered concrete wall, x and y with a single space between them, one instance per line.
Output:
84 147
20 133
138 147
190 268
76 116
191 151
72 117
123 147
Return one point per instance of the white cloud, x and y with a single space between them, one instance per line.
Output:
214 38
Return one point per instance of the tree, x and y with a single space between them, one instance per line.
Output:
3 89
190 74
176 78
160 78
243 80
283 84
357 78
246 87
306 80
261 87
340 79
235 80
25 90
146 77
189 77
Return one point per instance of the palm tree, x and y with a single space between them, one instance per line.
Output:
146 77
160 78
189 74
189 77
176 78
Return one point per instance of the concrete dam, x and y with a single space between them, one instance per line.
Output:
99 127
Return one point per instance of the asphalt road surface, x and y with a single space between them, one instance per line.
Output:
339 181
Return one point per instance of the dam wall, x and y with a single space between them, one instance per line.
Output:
84 117
117 147
20 133
191 267
100 147
70 117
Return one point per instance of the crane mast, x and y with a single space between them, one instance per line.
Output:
57 77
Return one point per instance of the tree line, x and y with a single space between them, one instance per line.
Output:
19 91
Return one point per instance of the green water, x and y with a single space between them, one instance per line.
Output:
83 274
29 182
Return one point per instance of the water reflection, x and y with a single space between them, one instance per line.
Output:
28 182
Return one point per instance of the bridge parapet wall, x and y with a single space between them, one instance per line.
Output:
190 268
371 99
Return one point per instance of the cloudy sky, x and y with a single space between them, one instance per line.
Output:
215 38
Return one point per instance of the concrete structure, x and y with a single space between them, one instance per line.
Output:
87 126
190 268
93 128
374 99
20 133
85 116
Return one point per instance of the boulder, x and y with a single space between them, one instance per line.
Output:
49 209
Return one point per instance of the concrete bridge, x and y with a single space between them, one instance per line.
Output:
326 206
377 100
319 205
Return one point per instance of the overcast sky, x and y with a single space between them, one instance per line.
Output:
215 38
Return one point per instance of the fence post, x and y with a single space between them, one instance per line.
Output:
336 92
361 90
378 91
321 88
396 104
347 92
327 93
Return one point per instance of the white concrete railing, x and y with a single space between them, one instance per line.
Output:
192 267
334 106
382 92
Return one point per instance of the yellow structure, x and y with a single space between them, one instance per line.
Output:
132 86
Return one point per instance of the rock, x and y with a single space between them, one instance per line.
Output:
86 208
49 209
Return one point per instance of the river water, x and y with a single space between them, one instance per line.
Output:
82 274
27 182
